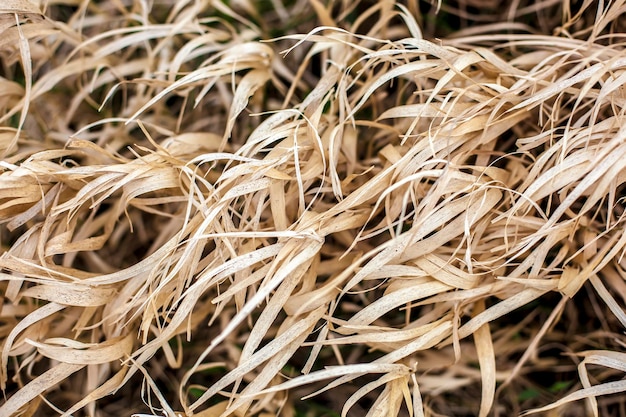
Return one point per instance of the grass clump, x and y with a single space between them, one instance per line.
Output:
387 209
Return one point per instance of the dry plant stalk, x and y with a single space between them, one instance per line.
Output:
241 216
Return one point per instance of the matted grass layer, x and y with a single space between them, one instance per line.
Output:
219 208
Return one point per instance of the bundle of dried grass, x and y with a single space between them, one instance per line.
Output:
218 208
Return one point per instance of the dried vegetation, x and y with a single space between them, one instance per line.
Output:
390 209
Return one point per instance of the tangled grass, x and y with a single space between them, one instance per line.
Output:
218 208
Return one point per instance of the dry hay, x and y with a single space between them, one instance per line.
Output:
218 208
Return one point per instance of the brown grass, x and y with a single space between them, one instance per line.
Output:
387 209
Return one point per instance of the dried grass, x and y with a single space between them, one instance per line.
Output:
218 208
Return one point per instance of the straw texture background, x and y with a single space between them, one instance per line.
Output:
219 208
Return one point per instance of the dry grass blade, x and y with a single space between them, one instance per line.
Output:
19 6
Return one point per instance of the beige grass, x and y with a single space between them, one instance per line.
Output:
218 208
